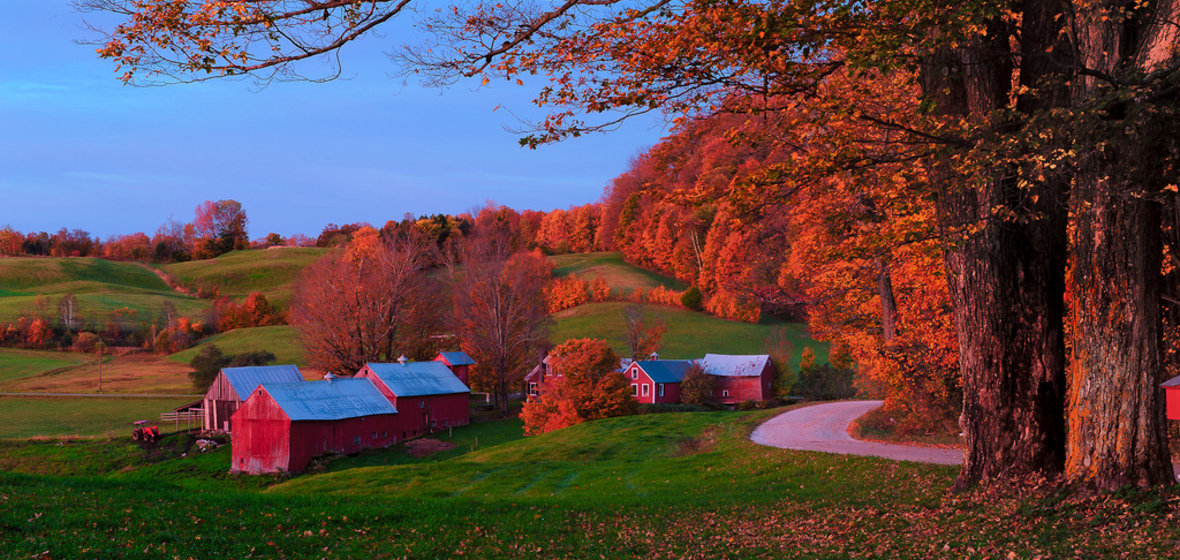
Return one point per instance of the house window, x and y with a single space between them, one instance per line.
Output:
661 388
725 393
421 404
645 389
374 435
635 373
384 435
356 440
635 390
532 388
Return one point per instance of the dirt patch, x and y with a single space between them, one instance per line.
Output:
423 447
703 443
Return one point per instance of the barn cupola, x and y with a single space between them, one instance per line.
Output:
655 356
403 359
330 376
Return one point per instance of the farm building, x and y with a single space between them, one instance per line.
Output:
657 381
458 362
534 382
233 385
427 395
739 378
282 426
1172 397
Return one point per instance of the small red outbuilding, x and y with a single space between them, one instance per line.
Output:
282 426
1172 396
458 362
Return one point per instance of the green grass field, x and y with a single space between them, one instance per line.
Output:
272 272
18 364
689 334
281 340
658 486
27 417
100 287
622 276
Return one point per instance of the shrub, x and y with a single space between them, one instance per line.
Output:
697 387
86 342
747 405
692 299
824 382
660 408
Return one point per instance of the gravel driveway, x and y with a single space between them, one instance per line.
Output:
824 427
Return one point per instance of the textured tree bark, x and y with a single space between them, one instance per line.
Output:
888 302
1006 279
1116 421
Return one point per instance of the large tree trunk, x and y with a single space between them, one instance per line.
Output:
1116 419
1006 279
1116 422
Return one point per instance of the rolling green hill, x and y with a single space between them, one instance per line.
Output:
272 272
100 287
281 340
622 276
689 334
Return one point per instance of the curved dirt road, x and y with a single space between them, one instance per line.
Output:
824 427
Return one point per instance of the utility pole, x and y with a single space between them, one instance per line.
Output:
100 347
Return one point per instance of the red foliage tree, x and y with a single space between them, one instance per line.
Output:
586 386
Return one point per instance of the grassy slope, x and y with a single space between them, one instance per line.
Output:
272 272
660 486
23 417
622 276
99 285
19 364
688 335
281 340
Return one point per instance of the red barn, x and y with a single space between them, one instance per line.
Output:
740 378
657 381
233 385
427 395
458 362
1172 395
282 426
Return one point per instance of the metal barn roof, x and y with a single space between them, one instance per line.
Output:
245 379
329 400
415 379
457 358
725 365
1173 382
665 371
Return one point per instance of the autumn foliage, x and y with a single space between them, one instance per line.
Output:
584 385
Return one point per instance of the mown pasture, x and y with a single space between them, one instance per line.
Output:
688 334
272 272
621 276
686 485
100 287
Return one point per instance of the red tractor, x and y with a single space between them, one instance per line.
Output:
144 432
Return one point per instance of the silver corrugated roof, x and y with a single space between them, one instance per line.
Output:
414 379
1173 382
245 379
458 358
329 400
726 365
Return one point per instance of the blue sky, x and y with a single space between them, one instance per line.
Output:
80 150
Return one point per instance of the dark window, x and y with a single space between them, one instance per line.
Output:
635 390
